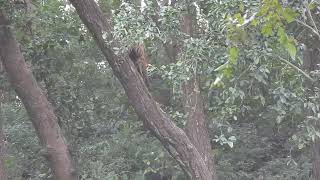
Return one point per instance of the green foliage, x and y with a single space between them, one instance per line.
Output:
254 102
233 54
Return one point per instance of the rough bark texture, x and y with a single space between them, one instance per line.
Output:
173 138
39 109
311 62
196 128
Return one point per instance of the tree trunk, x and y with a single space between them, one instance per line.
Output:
311 61
39 109
196 128
158 122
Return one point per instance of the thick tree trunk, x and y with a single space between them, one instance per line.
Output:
173 138
196 128
311 61
39 109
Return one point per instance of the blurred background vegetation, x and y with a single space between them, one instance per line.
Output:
250 58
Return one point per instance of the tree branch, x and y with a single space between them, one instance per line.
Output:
296 68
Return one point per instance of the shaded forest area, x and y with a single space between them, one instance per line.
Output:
159 90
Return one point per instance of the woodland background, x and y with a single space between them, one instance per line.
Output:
255 64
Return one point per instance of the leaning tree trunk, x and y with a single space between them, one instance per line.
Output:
39 109
158 122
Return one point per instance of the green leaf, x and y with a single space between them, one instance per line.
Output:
291 48
239 18
227 72
286 42
254 22
289 15
282 35
263 11
267 30
312 5
233 54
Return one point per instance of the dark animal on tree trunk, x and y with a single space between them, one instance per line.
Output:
139 58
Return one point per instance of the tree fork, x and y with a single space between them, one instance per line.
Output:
158 122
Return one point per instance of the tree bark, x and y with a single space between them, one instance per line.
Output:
196 128
39 109
311 61
158 122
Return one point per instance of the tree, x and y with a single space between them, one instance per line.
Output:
173 138
37 105
196 127
311 62
239 69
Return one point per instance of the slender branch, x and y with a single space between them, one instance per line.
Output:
311 19
296 68
309 27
